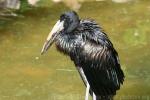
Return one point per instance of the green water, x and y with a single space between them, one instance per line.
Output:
26 75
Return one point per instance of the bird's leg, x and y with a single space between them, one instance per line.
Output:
87 91
82 75
81 72
94 96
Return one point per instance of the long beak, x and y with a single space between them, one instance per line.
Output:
52 35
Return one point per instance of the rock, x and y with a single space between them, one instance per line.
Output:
12 4
33 2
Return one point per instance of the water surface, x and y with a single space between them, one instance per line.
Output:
26 75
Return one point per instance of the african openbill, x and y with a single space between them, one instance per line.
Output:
92 53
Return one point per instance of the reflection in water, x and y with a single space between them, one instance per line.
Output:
25 75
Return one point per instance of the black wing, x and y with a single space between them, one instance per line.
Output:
99 60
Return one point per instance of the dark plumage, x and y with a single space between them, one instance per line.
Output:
91 50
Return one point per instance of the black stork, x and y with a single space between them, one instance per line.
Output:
92 53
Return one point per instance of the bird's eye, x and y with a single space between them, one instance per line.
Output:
62 17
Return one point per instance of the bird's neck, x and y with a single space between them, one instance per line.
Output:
67 43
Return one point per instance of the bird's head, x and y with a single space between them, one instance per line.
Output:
66 24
